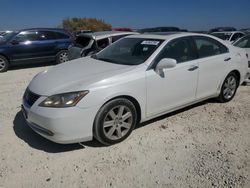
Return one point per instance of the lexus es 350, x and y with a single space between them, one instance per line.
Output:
133 80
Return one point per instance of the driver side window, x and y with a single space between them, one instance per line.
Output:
181 49
27 36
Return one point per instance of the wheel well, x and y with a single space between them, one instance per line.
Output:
237 73
5 57
134 101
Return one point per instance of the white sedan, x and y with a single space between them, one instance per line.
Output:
133 80
244 42
230 36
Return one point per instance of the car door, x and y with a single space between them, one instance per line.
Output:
178 85
214 60
47 43
24 46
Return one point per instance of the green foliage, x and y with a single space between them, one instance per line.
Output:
93 24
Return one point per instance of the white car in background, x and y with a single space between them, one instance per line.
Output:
133 80
230 36
245 43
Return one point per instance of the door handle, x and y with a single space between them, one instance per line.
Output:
192 68
227 59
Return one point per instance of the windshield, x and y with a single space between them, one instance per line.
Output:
223 36
129 51
6 36
243 42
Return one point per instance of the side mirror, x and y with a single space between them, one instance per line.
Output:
165 63
14 42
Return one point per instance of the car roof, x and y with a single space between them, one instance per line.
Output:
227 32
43 29
105 34
167 35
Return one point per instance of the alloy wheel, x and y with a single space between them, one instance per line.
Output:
2 64
230 87
63 57
117 122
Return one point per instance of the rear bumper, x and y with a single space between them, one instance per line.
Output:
61 125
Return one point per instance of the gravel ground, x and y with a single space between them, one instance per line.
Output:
206 145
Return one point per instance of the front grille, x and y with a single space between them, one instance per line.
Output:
30 97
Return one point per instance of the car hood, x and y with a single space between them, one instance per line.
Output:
79 74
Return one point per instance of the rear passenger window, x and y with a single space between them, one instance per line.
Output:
181 50
47 35
61 35
209 47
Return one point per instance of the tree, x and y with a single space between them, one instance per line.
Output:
93 24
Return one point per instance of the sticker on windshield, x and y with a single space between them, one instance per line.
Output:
150 42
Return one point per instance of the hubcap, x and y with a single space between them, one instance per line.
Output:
117 122
229 87
2 64
63 57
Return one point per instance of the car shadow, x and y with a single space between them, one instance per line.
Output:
175 113
34 140
31 65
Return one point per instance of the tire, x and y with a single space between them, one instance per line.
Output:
229 88
4 64
62 56
120 117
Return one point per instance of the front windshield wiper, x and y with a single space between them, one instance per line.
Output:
107 59
103 59
94 56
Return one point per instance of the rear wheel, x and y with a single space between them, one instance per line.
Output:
4 64
229 88
115 121
62 56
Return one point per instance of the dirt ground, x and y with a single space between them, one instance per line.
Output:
206 145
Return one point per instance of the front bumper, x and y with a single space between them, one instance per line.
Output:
61 125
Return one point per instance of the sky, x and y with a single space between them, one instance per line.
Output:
186 14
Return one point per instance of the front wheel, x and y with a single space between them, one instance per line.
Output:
62 56
229 88
115 121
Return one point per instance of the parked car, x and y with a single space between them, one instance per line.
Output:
81 32
221 29
34 46
230 36
3 33
91 43
133 80
246 30
245 43
121 29
159 29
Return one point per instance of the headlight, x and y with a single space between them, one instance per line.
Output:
64 99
